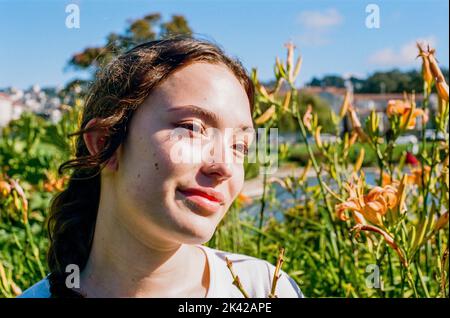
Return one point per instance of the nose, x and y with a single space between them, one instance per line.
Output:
219 171
216 165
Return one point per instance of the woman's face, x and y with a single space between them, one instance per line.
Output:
165 192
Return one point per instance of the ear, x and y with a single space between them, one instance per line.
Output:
95 141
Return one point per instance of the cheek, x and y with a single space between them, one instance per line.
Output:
143 167
185 150
154 163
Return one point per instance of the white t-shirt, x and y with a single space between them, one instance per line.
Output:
256 277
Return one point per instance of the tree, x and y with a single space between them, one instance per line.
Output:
393 81
178 25
328 80
139 31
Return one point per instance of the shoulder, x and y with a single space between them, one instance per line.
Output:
256 275
39 290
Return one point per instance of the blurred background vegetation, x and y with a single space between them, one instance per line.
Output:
292 212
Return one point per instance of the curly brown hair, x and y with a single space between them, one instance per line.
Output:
120 87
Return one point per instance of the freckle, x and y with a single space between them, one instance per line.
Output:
156 166
139 175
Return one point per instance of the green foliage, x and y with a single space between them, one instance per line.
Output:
337 223
320 107
328 80
287 123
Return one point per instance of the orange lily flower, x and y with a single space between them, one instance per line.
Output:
386 179
416 176
388 238
243 199
5 188
372 206
53 183
403 109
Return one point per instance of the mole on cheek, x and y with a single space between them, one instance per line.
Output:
156 166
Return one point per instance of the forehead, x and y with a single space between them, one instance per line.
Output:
209 86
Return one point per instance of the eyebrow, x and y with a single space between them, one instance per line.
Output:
204 114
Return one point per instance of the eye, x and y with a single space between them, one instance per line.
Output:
192 126
242 148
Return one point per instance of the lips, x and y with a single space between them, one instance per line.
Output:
206 201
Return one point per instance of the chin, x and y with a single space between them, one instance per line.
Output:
196 231
196 241
196 238
192 227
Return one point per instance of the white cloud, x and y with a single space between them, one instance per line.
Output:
403 56
320 19
316 26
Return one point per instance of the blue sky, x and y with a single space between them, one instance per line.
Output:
331 35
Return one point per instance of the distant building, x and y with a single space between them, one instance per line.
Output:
10 109
43 102
334 96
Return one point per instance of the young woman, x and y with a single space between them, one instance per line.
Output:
134 217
